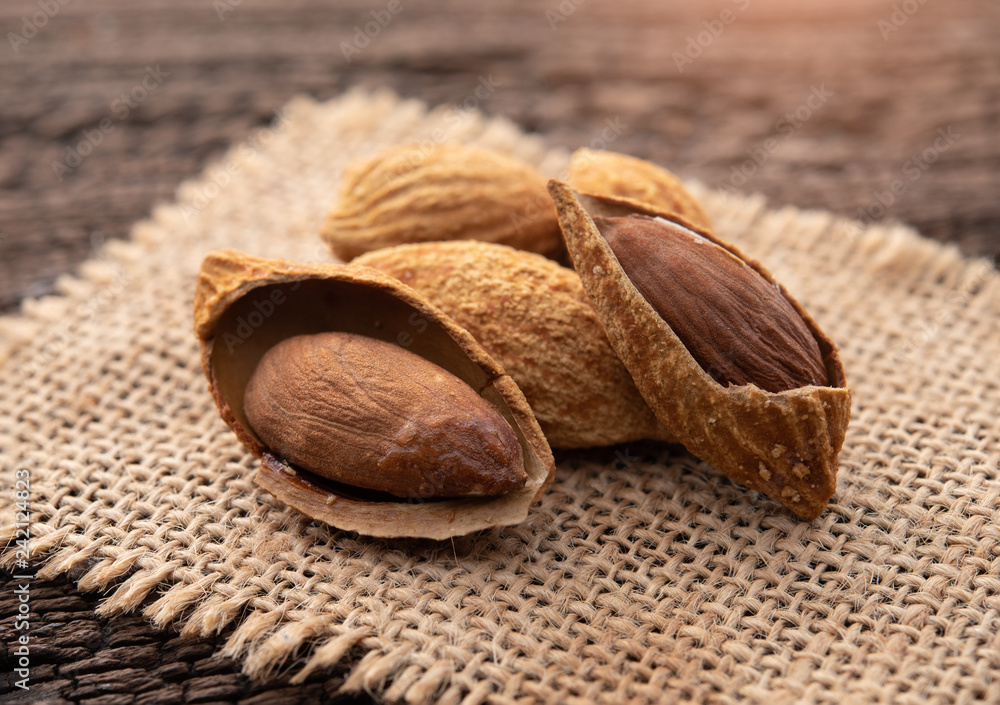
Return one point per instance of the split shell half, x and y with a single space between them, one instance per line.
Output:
603 173
783 444
245 305
534 317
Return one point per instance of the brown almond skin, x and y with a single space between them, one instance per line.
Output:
738 327
370 414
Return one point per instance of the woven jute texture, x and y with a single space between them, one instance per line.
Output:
643 576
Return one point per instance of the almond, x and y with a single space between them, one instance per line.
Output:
370 414
783 443
736 324
535 319
423 193
307 366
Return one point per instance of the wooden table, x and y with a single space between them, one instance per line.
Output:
875 110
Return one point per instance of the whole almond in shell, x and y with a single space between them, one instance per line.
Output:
533 316
423 193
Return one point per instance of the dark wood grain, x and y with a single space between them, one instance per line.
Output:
606 69
884 84
77 657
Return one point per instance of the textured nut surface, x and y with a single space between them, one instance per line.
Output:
370 414
534 317
604 173
421 193
784 444
739 327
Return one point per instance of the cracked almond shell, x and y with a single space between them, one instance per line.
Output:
783 444
422 193
533 316
604 173
236 326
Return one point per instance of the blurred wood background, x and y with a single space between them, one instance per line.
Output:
812 103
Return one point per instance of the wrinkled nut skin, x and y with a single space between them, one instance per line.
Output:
783 444
370 414
740 328
612 174
421 193
535 319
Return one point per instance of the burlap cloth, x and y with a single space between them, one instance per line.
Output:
643 576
